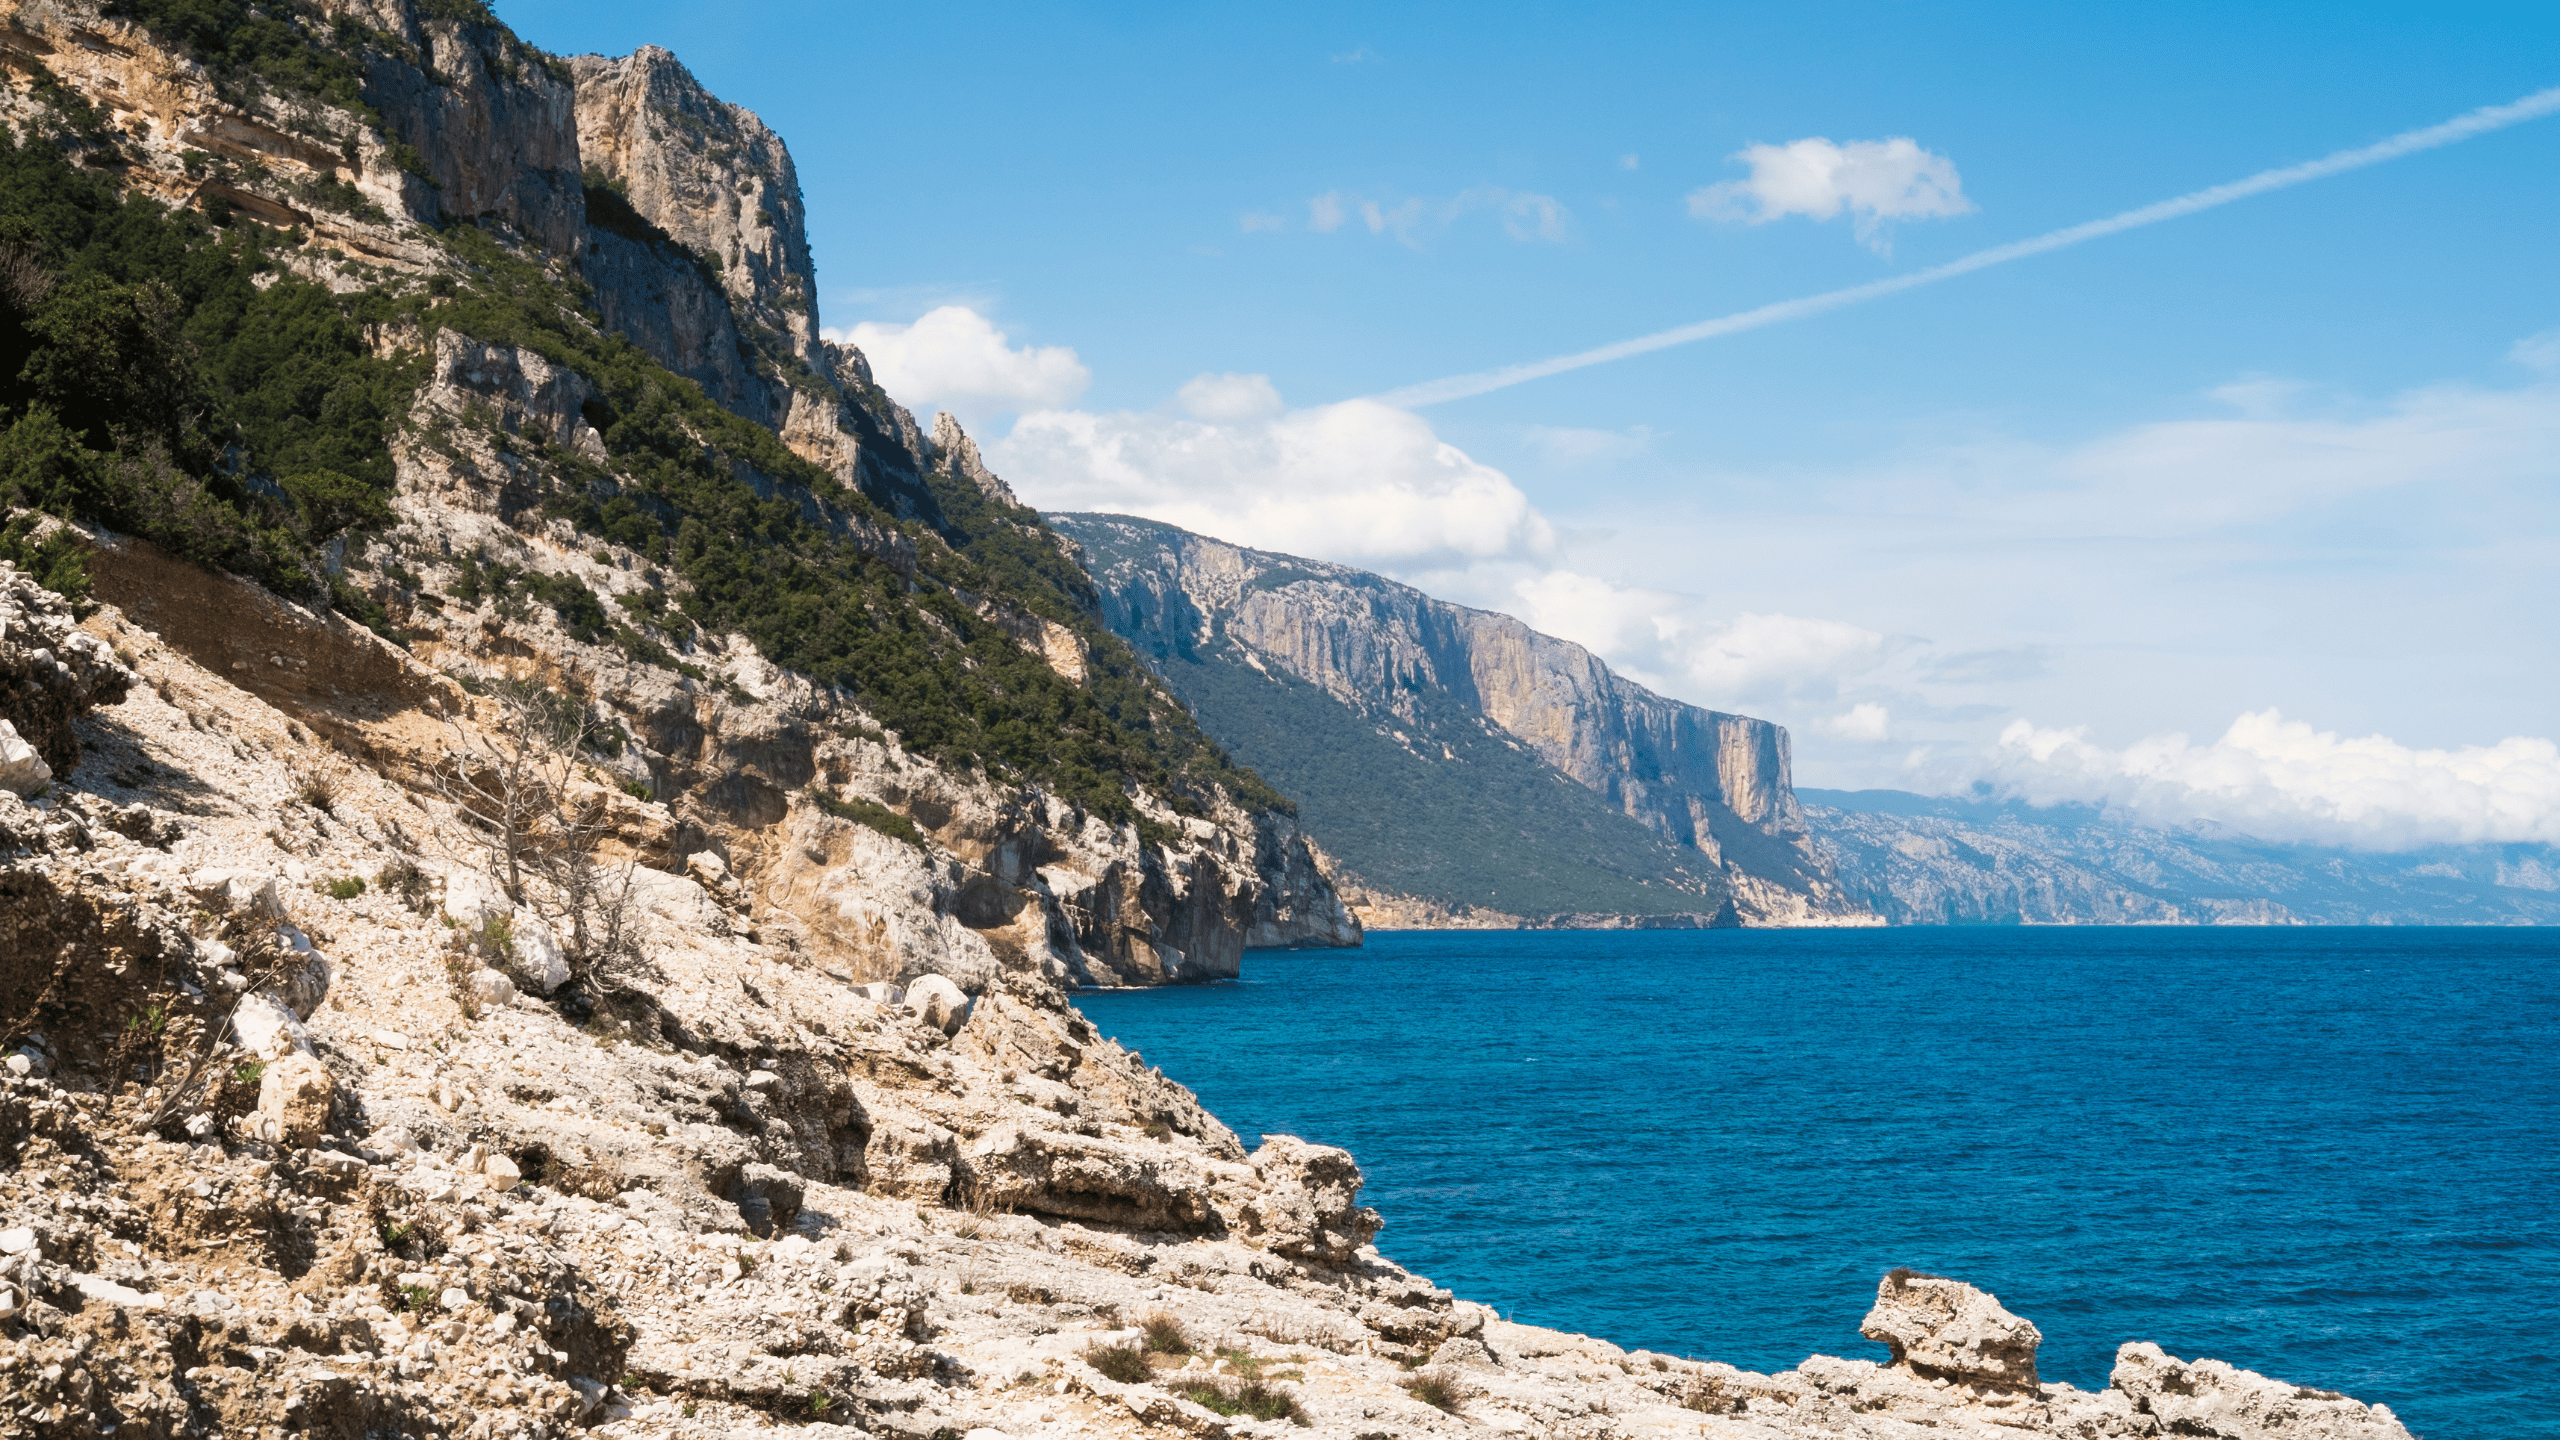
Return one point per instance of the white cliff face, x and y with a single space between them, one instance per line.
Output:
710 175
1712 783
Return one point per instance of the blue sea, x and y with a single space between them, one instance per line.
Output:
2331 1155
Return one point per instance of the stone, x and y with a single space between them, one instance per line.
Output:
22 770
1945 1329
262 1026
17 1240
538 957
502 1172
938 1003
1308 1202
492 989
293 1099
2215 1401
394 1140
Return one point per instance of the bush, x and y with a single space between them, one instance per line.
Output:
863 810
347 888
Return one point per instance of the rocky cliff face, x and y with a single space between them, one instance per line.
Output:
1925 861
1436 675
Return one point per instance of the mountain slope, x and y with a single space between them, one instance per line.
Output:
1409 727
1933 861
513 360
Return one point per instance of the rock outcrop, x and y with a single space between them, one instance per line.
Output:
1437 679
1945 1329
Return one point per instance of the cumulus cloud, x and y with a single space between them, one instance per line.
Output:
1674 643
2285 780
1865 722
1875 182
954 357
1358 482
1415 221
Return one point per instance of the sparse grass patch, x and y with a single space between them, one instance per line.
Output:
1164 1335
1124 1363
1241 1397
1435 1391
346 887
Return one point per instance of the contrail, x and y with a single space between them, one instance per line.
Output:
2462 127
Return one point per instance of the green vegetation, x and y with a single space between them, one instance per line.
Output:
148 381
1164 1335
165 373
863 810
1494 826
345 888
1124 1363
1251 1397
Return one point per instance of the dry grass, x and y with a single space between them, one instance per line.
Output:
1124 1363
1435 1391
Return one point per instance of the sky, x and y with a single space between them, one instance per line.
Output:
2247 515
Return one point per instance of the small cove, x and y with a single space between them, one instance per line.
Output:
2328 1155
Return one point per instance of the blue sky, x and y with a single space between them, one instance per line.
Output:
2296 454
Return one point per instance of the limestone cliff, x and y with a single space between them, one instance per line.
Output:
534 526
1439 678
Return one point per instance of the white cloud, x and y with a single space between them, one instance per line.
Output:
2538 352
1253 221
1358 482
1673 643
1414 221
1358 55
2283 779
1875 181
1565 446
955 357
1865 723
1629 161
1230 397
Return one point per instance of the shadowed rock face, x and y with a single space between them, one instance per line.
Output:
1714 783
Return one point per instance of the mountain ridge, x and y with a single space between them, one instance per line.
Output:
1707 796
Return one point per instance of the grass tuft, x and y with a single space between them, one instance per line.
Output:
1124 1363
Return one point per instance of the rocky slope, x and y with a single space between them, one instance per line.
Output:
1920 860
557 515
1269 646
309 1130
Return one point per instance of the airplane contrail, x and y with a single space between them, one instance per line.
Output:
2461 127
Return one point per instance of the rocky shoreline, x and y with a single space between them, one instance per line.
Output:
289 1154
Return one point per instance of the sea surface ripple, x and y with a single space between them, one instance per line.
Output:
2330 1155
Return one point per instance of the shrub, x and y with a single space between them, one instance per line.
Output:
1433 1390
1164 1335
346 888
1124 1363
865 811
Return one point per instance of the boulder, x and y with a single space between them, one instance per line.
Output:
2215 1401
538 957
22 770
492 989
266 1029
938 1003
1946 1329
293 1100
1308 1205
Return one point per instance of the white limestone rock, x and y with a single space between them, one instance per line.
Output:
1946 1328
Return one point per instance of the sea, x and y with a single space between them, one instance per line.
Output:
2328 1155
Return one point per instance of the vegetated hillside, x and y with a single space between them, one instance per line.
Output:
1922 860
405 320
233 389
1449 810
1455 759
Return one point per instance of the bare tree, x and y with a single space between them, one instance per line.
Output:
513 785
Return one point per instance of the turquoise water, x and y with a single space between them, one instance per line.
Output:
2329 1155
